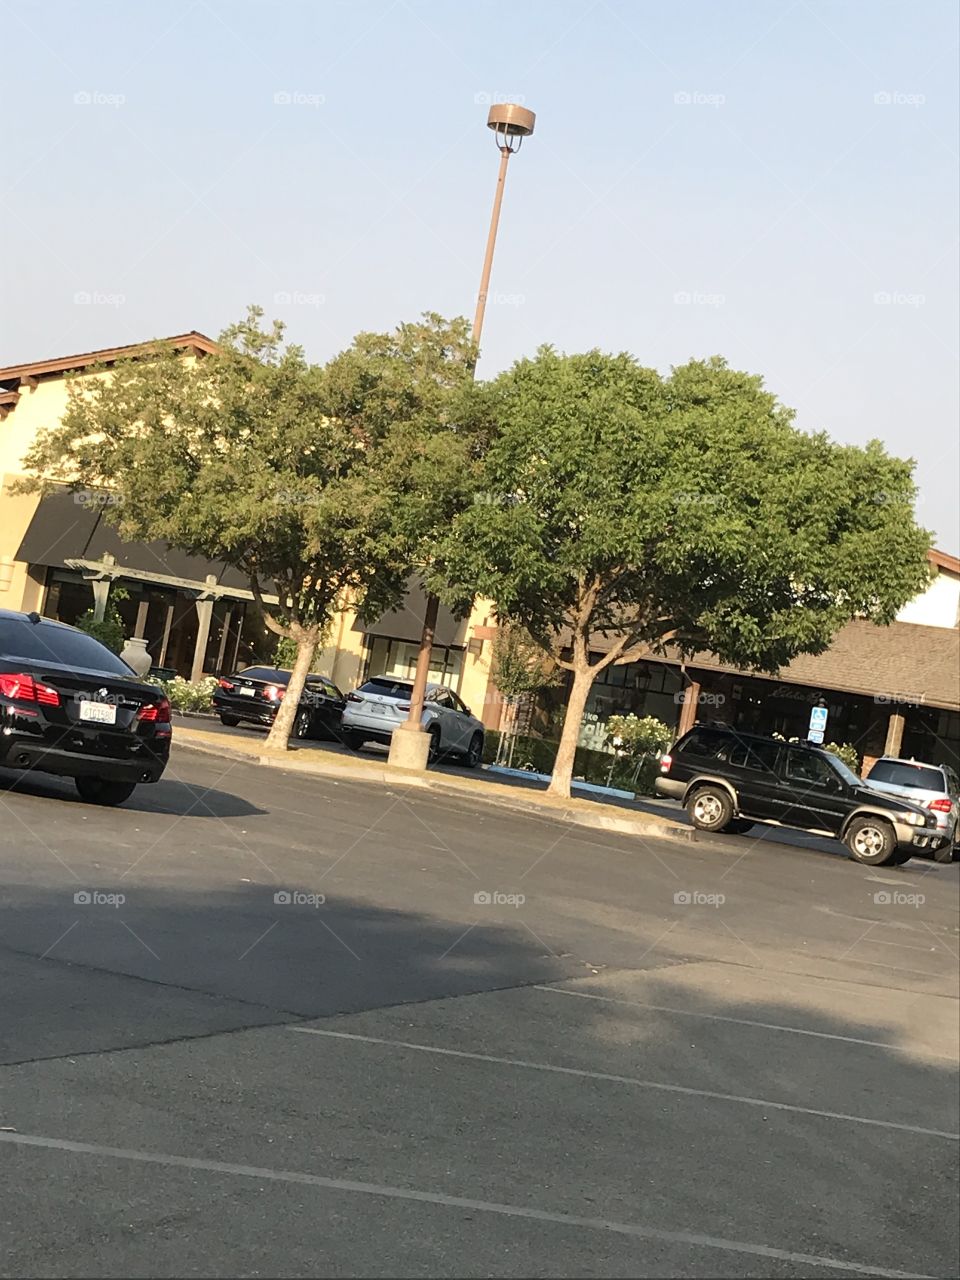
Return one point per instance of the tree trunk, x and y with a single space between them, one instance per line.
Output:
279 736
583 678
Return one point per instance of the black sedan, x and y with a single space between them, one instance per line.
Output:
253 696
70 706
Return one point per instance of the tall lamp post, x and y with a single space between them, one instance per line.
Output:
409 743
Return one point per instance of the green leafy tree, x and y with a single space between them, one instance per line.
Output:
109 629
316 483
626 512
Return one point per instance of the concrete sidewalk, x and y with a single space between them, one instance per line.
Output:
478 786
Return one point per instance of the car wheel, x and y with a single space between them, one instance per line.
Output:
301 726
433 752
710 808
351 739
871 841
231 722
102 791
474 751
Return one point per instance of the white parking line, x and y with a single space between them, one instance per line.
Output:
631 1080
686 1238
742 1022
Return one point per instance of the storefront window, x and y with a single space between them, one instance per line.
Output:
399 658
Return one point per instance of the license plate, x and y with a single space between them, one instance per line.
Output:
98 712
248 690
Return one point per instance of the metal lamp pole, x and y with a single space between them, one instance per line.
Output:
409 744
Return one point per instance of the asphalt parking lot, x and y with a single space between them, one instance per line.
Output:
259 1024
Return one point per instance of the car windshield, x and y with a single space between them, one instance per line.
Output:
901 773
45 642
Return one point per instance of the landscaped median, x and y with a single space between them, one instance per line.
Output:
479 786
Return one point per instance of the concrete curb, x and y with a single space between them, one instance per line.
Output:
591 815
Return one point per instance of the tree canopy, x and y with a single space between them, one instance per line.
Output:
320 484
621 512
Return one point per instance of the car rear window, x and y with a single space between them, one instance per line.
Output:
266 673
900 773
46 642
386 687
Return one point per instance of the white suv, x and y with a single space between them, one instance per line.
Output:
931 786
375 709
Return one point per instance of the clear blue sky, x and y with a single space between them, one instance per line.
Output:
734 154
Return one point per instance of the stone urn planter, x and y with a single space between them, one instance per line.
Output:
134 654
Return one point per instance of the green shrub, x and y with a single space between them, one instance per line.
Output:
185 695
845 752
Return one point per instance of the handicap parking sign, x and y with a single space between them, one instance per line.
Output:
818 722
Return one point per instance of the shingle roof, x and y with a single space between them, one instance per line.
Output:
906 662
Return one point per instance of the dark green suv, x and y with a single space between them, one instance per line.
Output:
728 779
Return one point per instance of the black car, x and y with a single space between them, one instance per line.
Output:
253 696
727 779
70 706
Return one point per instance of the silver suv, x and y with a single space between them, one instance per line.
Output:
932 786
374 710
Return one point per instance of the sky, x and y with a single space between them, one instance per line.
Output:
774 181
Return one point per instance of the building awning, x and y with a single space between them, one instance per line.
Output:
65 527
406 623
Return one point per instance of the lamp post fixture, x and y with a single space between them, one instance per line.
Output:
409 744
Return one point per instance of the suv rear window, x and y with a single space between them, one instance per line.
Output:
899 773
706 744
387 687
44 642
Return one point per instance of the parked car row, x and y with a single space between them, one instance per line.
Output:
70 706
369 714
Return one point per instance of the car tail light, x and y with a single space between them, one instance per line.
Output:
26 689
274 692
665 763
155 712
354 697
225 684
942 805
